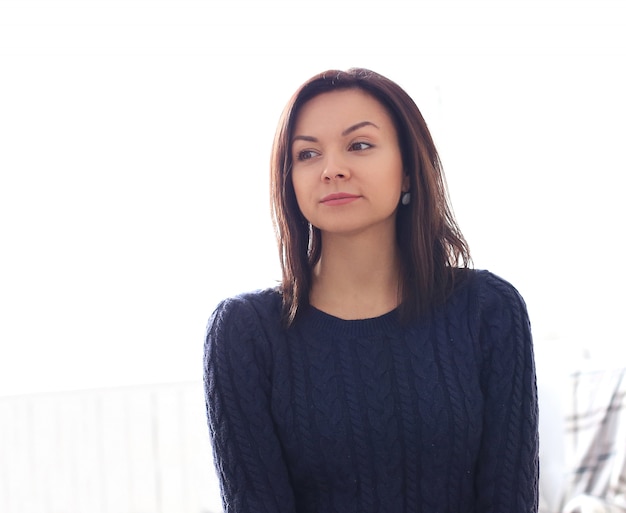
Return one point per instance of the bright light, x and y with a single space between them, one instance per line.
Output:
135 139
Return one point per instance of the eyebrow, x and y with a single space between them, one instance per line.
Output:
347 131
357 126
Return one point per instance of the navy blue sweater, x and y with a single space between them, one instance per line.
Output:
372 415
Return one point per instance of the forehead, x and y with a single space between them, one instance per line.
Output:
340 109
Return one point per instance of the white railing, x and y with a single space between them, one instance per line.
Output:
123 450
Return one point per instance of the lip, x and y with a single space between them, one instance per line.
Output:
339 198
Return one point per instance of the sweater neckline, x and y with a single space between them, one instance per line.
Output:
322 321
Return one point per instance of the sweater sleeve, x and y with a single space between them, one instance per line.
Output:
248 458
508 466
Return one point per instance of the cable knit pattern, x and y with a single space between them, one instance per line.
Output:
373 416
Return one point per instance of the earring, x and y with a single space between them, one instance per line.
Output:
406 198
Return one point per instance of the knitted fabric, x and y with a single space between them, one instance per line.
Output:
371 415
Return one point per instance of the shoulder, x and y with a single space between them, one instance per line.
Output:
260 304
500 318
489 292
491 303
246 314
241 330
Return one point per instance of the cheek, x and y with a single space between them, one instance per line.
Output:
393 190
397 179
299 189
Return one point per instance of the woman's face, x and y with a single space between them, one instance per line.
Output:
347 167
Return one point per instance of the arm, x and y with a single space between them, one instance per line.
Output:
508 465
253 476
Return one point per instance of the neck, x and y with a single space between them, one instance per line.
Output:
357 277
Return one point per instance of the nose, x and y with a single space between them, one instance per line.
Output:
335 169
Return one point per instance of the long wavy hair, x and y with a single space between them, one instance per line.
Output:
432 247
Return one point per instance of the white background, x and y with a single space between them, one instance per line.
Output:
134 147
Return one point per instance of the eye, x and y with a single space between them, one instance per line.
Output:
359 146
306 154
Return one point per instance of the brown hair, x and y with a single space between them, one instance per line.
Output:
430 241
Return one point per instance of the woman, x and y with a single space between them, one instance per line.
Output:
382 375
